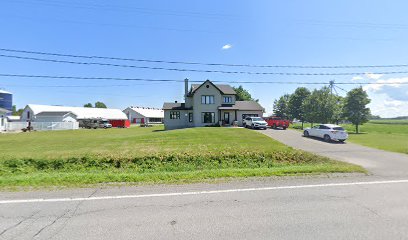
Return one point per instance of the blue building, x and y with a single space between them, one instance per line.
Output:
6 100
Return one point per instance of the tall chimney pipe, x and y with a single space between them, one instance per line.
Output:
185 88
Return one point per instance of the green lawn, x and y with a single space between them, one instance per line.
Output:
389 135
81 157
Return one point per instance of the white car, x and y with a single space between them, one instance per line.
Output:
255 122
328 132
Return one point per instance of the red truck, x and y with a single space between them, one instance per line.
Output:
277 122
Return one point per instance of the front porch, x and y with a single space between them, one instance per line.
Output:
227 117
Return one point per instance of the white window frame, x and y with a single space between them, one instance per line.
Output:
212 117
227 97
207 99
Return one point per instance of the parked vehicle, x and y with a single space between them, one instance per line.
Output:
328 132
255 122
277 122
120 123
95 123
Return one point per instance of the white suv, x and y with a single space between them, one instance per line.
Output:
255 122
328 132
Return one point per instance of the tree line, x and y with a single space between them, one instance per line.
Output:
321 106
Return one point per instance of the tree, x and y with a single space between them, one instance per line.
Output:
16 112
100 105
88 105
319 106
338 113
243 94
355 107
280 106
296 102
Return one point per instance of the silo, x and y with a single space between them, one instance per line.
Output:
6 100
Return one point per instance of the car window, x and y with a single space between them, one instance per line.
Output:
316 127
338 128
257 119
323 127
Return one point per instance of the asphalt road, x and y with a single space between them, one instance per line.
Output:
324 207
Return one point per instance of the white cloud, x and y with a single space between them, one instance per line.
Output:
373 76
389 96
382 105
357 78
226 47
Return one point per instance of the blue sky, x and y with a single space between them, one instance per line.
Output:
259 32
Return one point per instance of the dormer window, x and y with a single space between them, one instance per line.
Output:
227 99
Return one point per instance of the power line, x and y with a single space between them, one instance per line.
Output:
199 63
177 80
198 70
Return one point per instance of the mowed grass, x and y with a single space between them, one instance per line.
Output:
388 135
382 134
149 155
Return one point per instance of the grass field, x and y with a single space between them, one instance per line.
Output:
81 157
389 135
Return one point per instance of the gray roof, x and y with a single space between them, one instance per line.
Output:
224 88
3 110
175 106
248 105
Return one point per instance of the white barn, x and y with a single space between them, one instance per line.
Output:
48 113
140 115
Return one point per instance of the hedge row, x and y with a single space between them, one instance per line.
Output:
161 162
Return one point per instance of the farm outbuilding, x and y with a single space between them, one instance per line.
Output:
48 113
3 118
144 115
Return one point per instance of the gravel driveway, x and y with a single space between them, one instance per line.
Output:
377 162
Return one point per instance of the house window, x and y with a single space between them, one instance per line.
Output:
208 117
190 117
155 120
227 99
28 115
207 99
175 115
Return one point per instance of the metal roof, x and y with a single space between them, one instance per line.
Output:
81 112
3 110
2 91
149 112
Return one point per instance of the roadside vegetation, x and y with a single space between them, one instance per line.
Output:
388 135
82 157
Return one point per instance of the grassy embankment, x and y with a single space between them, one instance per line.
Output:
82 157
389 135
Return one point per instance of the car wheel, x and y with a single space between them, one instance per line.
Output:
284 128
327 138
306 134
245 126
252 126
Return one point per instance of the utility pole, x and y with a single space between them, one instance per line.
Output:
331 83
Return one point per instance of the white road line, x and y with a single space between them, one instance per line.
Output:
41 200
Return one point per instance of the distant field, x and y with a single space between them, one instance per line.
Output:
389 135
81 157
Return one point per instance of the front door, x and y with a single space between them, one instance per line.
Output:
227 118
